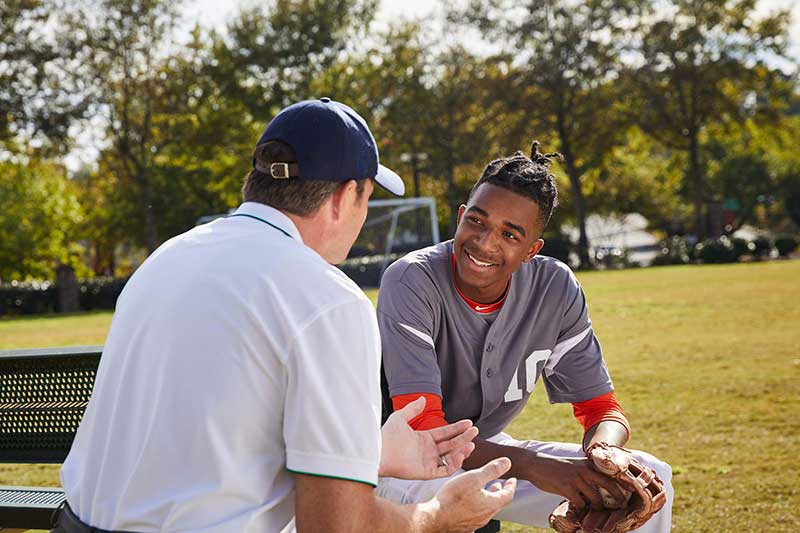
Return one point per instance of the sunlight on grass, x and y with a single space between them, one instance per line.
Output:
54 330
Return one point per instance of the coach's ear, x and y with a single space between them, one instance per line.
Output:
536 247
461 210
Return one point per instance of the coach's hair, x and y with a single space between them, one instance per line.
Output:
296 196
527 176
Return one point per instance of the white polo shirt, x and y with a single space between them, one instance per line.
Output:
236 356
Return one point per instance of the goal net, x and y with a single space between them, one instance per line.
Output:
393 228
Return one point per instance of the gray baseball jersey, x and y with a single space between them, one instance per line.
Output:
485 367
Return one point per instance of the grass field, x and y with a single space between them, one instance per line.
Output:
706 363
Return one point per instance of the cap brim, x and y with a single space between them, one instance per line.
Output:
389 180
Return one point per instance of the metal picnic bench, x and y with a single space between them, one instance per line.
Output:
43 394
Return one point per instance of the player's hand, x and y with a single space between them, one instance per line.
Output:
465 503
409 454
573 478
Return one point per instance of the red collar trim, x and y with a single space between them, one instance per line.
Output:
483 309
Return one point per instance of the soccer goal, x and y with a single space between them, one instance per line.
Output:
393 228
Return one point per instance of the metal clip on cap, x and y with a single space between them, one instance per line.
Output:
279 170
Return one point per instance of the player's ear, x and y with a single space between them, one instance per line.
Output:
461 210
536 247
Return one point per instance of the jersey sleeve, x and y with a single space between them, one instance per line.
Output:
575 371
332 410
406 324
431 417
596 410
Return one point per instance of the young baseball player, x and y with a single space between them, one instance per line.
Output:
473 324
280 354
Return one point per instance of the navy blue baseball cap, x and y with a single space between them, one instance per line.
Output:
331 142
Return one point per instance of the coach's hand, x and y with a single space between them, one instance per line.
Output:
572 478
409 454
465 503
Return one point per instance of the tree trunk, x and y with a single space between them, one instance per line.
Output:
452 200
580 215
697 186
67 290
150 228
577 193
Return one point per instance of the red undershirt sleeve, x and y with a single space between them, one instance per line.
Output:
431 417
605 407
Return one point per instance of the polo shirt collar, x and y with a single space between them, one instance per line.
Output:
271 215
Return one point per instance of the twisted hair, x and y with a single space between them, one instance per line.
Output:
527 176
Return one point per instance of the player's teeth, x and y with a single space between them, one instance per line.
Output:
479 263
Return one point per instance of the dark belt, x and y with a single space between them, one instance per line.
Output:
66 521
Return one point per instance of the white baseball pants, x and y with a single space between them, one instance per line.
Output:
532 506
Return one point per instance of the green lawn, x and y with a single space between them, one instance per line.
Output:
706 362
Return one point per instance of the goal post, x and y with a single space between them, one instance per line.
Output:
393 227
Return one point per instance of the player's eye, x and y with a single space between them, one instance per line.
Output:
474 220
510 235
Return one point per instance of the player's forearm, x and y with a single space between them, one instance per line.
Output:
486 451
608 431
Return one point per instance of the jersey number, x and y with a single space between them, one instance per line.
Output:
514 391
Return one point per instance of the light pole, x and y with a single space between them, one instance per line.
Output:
415 158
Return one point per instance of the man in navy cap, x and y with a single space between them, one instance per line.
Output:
239 385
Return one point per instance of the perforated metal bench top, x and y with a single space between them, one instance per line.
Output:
43 394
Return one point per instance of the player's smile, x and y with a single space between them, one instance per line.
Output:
479 263
497 230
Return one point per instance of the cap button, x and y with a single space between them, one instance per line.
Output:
325 99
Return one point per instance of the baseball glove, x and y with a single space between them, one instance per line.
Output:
644 492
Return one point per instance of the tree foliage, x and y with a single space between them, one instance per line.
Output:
703 64
566 57
40 96
273 52
422 101
659 108
40 221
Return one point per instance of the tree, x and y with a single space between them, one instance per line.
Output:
182 117
419 100
565 57
639 176
39 220
39 95
272 53
458 124
741 169
124 58
702 65
792 197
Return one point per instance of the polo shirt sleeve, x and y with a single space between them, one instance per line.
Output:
332 408
575 371
406 324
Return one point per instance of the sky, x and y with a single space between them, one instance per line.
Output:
214 13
